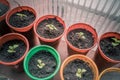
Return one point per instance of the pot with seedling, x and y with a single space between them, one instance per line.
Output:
110 74
78 67
49 29
42 63
108 50
13 48
80 38
4 8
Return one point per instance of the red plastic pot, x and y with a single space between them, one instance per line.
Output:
74 50
101 59
52 42
12 36
18 9
4 15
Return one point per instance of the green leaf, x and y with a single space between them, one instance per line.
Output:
115 44
21 15
11 51
51 27
116 40
15 46
11 47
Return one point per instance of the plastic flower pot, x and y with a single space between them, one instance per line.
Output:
18 9
3 26
4 15
74 50
101 59
32 52
81 57
110 76
12 36
54 41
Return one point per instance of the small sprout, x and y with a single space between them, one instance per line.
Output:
80 72
51 27
81 35
21 15
12 48
40 64
116 42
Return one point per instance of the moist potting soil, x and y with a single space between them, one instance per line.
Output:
21 19
3 8
72 67
12 50
109 49
50 28
113 75
45 57
80 38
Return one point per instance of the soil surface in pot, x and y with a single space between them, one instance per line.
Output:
3 8
71 71
42 64
110 49
22 19
113 75
80 38
12 50
50 28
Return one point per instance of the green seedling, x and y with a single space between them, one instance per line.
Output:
21 15
80 72
81 35
12 48
51 27
40 64
116 42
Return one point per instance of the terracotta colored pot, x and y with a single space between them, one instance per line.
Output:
81 57
4 29
18 9
4 15
52 42
12 36
101 59
108 70
74 50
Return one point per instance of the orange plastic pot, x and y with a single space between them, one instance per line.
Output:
6 3
52 42
74 50
81 57
12 36
108 70
18 9
101 59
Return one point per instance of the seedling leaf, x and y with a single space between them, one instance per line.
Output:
21 15
80 72
116 42
40 64
51 27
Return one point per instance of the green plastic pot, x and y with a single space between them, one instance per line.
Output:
34 51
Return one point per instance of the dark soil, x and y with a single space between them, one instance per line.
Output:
78 42
113 75
19 22
46 32
3 8
10 57
72 67
48 59
109 50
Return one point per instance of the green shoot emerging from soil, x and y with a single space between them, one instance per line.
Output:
80 72
116 42
81 35
40 64
12 48
51 27
21 15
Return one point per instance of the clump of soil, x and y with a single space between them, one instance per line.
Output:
113 75
45 58
109 49
71 69
8 54
50 28
3 8
81 38
22 18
